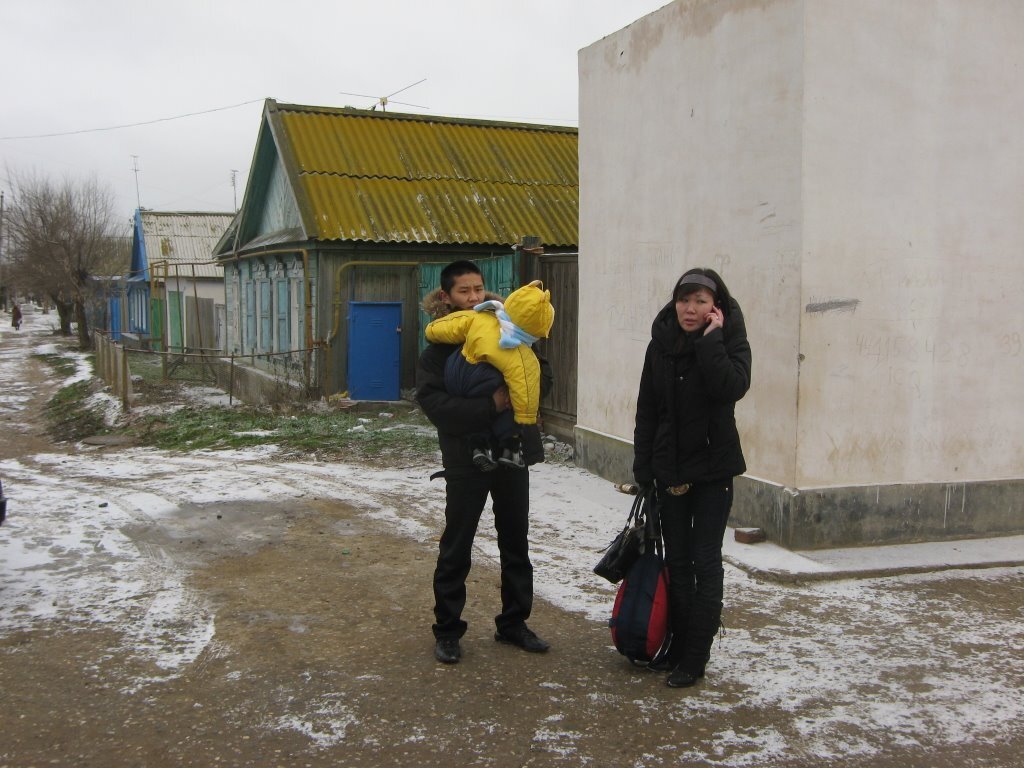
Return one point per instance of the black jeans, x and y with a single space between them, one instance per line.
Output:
466 494
693 526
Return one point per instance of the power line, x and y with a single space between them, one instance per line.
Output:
131 125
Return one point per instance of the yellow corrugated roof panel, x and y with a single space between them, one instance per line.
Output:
441 211
412 178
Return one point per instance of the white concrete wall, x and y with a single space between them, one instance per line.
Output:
690 155
913 209
855 171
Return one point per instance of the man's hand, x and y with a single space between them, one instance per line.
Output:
501 399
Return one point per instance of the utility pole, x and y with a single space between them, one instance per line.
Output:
135 167
234 188
3 285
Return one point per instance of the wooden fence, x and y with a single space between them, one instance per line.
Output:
112 367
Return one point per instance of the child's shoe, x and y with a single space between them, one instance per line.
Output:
512 455
484 459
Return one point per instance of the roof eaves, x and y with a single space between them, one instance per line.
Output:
354 112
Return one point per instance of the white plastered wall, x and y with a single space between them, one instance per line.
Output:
855 170
690 155
913 273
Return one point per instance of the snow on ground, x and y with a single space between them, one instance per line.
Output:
853 661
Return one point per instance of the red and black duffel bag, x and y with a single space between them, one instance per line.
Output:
639 622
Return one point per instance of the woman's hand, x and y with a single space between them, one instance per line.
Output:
715 319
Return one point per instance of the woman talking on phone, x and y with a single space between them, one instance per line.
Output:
686 444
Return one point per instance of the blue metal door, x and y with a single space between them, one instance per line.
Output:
374 333
115 318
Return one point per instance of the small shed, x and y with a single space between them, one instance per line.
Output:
348 218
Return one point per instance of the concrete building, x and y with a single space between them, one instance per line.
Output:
855 172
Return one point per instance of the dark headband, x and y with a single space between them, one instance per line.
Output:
698 279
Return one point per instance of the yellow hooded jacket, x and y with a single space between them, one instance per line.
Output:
529 308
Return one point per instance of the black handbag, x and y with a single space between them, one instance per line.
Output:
626 548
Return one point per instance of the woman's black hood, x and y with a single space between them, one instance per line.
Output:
665 329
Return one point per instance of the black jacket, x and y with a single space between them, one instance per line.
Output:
456 418
685 412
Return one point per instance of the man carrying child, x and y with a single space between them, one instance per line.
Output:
460 420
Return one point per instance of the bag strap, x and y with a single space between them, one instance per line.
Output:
652 520
636 514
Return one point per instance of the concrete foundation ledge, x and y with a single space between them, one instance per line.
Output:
770 562
854 516
605 455
879 514
255 386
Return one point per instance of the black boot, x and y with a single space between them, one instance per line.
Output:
705 619
682 677
663 663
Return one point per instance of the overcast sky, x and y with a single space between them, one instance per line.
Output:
79 65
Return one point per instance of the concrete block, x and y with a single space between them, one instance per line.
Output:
750 535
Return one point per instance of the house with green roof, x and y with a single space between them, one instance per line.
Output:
349 216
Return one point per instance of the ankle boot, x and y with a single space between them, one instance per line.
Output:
683 678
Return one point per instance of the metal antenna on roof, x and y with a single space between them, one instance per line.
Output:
382 101
135 167
234 187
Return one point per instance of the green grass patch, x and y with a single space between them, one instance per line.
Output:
333 432
69 418
151 368
61 365
146 366
350 434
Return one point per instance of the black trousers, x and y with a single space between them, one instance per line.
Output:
693 526
466 494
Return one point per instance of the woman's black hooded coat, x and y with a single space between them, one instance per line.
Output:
685 411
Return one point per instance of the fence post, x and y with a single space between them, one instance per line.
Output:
112 363
126 380
97 344
115 371
231 381
108 369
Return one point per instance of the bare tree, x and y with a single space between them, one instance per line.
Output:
58 236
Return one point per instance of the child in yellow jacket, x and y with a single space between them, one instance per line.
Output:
496 343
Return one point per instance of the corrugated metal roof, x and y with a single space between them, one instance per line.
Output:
386 177
186 239
442 211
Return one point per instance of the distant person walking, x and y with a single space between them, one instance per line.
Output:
16 317
686 445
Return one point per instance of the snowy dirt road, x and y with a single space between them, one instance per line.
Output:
242 608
